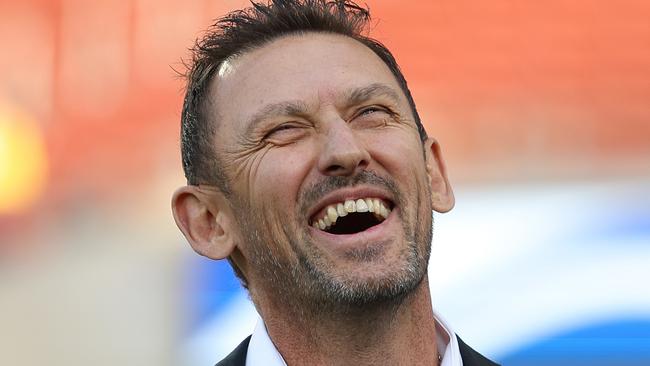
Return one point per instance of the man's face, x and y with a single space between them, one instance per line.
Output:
305 126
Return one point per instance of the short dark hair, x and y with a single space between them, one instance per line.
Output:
247 29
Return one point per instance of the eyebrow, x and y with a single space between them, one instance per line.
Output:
360 95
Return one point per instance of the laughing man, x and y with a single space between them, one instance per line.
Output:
309 169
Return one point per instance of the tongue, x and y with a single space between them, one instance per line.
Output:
353 223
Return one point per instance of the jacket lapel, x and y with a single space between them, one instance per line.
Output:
238 356
471 357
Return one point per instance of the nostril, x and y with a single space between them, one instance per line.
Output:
343 159
347 169
363 164
335 168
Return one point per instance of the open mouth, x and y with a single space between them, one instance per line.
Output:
351 216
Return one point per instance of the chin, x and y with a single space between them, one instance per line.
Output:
369 282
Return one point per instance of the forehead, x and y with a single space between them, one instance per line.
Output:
313 68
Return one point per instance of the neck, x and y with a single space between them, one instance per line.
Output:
402 332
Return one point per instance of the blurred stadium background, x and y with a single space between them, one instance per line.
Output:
542 108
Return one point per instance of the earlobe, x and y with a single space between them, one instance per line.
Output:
204 221
442 195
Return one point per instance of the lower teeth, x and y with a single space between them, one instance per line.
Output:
355 223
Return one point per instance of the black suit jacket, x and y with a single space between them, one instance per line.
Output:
470 357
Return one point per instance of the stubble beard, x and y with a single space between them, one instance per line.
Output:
308 283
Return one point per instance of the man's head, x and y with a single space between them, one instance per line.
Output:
307 127
242 31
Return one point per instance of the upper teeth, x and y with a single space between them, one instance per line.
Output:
334 211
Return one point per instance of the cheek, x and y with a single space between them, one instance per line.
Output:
400 154
278 181
280 176
402 158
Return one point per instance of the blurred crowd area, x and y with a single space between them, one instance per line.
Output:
92 267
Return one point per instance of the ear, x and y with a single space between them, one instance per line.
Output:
442 196
204 218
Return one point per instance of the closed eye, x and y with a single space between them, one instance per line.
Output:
285 132
371 110
372 117
283 127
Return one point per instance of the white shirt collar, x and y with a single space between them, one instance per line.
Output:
262 351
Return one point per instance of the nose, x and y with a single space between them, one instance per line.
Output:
343 153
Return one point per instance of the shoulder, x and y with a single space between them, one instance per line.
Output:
471 357
238 356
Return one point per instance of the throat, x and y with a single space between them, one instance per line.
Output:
393 336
